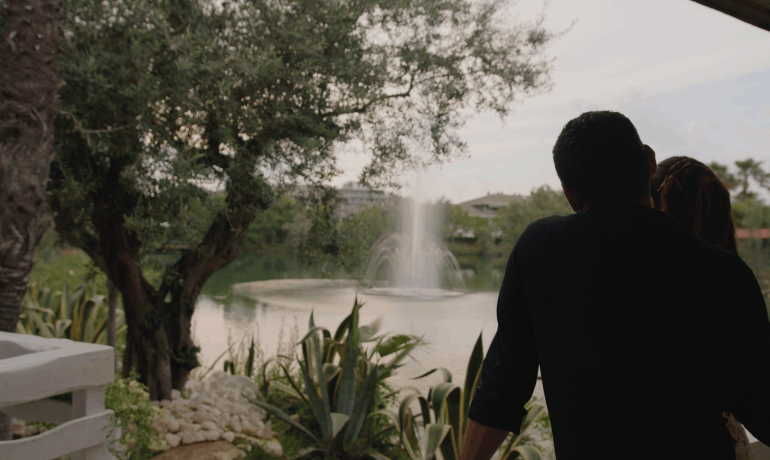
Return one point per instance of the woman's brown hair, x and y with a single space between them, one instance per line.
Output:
693 195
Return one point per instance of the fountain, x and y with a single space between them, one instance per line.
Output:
414 263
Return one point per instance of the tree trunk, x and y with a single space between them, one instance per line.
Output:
28 86
149 347
112 305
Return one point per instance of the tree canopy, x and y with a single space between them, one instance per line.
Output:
542 202
166 100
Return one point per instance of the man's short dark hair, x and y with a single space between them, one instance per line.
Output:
600 156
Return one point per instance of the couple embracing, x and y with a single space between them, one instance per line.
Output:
650 333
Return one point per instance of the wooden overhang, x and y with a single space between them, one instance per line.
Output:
754 12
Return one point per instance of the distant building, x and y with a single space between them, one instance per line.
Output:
487 206
356 196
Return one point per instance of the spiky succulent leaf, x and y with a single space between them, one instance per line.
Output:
281 415
436 435
347 392
473 374
447 375
361 407
338 422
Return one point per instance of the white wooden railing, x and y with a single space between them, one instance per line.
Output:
33 369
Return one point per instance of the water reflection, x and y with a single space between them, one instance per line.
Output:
450 326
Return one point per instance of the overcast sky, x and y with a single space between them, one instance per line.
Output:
694 81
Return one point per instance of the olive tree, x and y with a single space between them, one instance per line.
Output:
166 100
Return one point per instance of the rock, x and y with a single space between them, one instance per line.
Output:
239 409
235 424
166 404
172 424
203 415
211 435
173 440
228 436
223 421
208 425
256 419
159 425
192 385
188 437
180 404
176 394
194 402
272 446
250 429
251 440
200 436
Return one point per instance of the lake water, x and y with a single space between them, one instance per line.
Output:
450 326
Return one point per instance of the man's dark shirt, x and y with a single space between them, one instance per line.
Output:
644 335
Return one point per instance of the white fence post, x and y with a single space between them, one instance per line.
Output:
31 370
89 401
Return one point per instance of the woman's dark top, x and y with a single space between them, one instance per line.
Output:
644 334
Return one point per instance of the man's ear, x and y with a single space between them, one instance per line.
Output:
651 159
575 202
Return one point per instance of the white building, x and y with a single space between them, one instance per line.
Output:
356 196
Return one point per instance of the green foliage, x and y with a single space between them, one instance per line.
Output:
133 414
456 219
247 366
750 169
79 315
444 415
272 227
542 202
342 245
751 213
340 394
56 266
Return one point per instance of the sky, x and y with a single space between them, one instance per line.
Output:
693 81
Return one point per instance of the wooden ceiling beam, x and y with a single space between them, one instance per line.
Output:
754 12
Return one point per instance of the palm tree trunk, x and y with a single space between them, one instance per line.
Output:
28 86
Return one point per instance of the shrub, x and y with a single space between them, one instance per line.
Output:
130 401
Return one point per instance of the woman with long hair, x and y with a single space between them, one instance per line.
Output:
696 198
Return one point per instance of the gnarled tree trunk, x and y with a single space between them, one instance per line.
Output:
28 86
159 342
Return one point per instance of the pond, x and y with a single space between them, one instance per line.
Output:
450 326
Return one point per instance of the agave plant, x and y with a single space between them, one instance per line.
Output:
80 315
445 416
340 393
